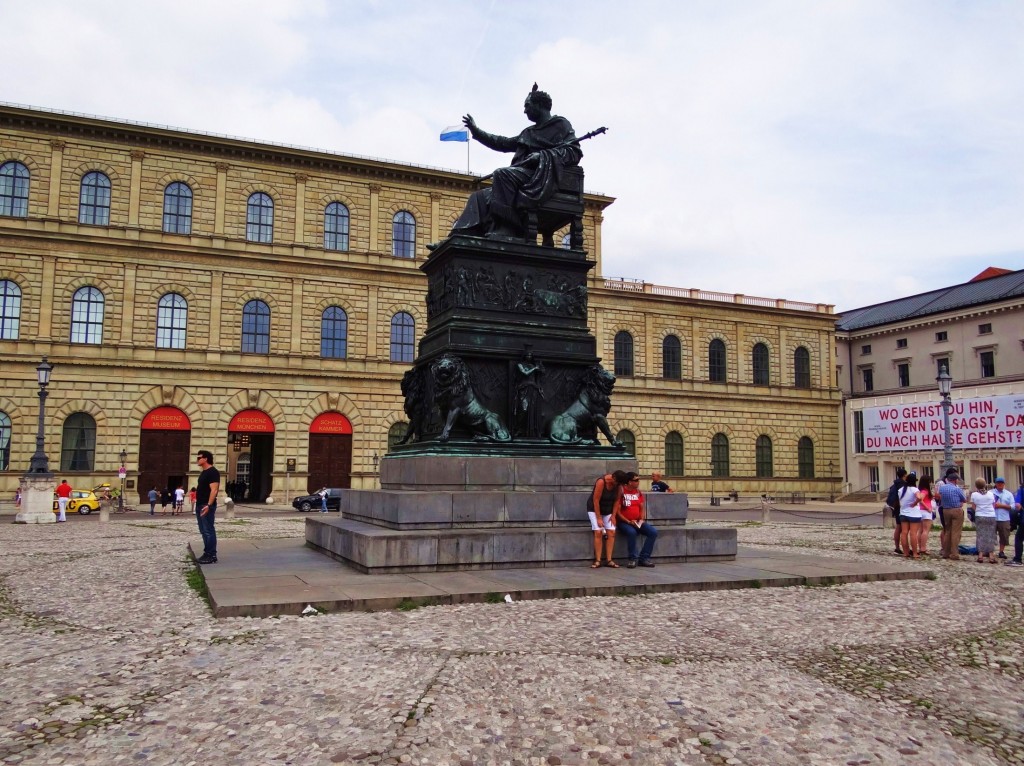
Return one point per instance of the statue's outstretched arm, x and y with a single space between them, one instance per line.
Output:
490 140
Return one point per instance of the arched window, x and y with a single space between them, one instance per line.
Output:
719 455
396 433
256 328
628 440
259 218
716 361
802 367
94 199
87 316
403 337
78 443
334 333
760 364
805 457
14 189
336 227
171 321
764 462
674 454
671 358
403 235
10 310
5 441
623 354
178 208
567 241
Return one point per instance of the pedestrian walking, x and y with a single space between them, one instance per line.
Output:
165 500
179 501
323 500
63 495
207 488
192 499
153 497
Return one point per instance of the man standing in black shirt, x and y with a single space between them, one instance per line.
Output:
206 505
892 502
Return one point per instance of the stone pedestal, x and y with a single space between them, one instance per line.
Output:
36 500
438 513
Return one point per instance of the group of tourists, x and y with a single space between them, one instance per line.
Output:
995 512
618 503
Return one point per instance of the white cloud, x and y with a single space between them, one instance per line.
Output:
835 152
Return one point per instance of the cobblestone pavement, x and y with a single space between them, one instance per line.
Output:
108 657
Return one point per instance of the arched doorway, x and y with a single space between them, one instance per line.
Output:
164 453
330 452
250 433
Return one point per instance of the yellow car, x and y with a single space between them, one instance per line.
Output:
82 501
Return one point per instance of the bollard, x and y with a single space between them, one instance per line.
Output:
887 520
104 513
229 504
766 512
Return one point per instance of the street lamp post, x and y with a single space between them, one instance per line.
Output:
713 501
37 483
122 474
945 381
40 463
831 481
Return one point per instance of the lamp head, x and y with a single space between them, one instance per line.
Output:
43 373
945 381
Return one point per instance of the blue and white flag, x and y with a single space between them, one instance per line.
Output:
455 133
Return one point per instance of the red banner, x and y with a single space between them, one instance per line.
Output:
252 421
330 423
166 419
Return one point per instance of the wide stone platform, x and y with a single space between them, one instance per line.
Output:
374 549
262 578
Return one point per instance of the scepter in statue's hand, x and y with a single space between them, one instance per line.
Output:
468 122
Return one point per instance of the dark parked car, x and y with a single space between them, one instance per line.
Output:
308 503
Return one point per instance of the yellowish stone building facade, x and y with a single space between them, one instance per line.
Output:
196 291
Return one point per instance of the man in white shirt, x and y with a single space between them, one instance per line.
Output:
1003 504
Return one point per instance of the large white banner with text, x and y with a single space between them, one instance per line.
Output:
990 423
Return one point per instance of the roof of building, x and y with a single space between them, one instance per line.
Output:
980 290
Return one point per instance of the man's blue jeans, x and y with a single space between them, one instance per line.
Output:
650 535
207 531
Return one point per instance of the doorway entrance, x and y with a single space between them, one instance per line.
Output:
330 452
250 434
163 451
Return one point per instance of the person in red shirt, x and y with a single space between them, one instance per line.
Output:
631 518
63 493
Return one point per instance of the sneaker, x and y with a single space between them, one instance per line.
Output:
207 560
646 563
631 564
1002 555
1014 564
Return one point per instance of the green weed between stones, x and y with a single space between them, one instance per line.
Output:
195 580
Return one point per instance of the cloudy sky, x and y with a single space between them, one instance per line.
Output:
838 152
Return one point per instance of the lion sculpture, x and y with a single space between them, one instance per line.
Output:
416 405
582 419
454 396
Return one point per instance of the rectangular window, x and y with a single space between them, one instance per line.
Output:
985 329
873 483
941 336
869 379
990 474
858 431
988 364
901 343
940 363
865 349
903 372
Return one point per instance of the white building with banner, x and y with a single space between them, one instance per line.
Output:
889 356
